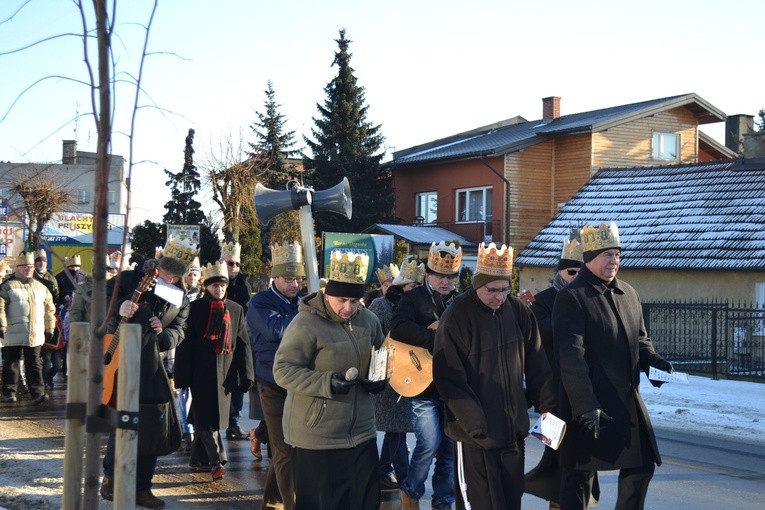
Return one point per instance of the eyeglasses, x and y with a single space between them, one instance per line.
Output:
293 280
232 263
494 290
572 272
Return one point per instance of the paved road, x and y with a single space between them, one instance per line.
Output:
698 472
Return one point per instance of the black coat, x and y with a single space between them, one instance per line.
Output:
601 345
239 291
543 309
153 388
481 359
212 376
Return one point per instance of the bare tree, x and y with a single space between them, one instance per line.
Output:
42 198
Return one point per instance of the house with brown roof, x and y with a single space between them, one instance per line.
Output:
503 182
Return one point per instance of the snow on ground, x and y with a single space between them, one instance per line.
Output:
728 409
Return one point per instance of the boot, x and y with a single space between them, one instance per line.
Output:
408 502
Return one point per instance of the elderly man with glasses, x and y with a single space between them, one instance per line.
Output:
238 291
487 346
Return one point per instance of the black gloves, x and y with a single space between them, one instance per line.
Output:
48 336
590 421
247 386
373 386
339 385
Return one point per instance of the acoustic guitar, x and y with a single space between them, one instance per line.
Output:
112 343
412 367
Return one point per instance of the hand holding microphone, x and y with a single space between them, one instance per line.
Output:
342 384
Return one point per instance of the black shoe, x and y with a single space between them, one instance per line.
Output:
39 399
187 440
148 500
389 483
49 384
22 389
236 433
107 489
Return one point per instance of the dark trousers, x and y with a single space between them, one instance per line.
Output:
145 467
207 449
494 477
337 479
394 455
278 485
235 411
632 488
52 361
32 367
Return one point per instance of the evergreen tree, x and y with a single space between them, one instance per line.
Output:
182 209
273 142
144 238
347 145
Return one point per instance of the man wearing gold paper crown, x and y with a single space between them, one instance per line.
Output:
601 346
385 275
27 319
238 291
214 357
417 310
70 276
268 315
393 413
487 345
162 314
323 363
544 480
43 275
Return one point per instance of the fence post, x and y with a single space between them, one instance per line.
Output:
126 446
715 376
76 398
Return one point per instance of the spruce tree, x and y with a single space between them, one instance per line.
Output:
347 145
183 209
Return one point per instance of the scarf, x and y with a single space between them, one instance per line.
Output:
558 282
218 327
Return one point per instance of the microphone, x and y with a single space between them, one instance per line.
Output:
351 374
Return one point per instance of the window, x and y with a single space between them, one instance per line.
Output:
666 146
427 206
112 197
82 196
474 204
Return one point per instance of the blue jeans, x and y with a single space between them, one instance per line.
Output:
235 411
145 467
428 424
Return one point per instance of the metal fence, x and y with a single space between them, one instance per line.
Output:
713 338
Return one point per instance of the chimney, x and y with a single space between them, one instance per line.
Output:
550 107
736 126
754 145
69 156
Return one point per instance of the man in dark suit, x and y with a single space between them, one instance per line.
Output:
601 345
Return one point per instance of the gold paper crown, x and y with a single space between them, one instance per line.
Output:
411 272
184 250
449 263
494 262
572 250
387 273
217 270
348 267
25 258
600 238
286 253
231 250
194 266
73 261
40 254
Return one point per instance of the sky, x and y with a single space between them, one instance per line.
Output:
429 68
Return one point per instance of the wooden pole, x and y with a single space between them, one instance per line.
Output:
76 398
126 446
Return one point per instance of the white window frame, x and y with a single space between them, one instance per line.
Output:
486 215
426 196
659 151
83 196
112 198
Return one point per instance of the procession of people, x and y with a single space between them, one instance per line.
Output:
575 351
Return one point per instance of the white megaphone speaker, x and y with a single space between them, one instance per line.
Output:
269 202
